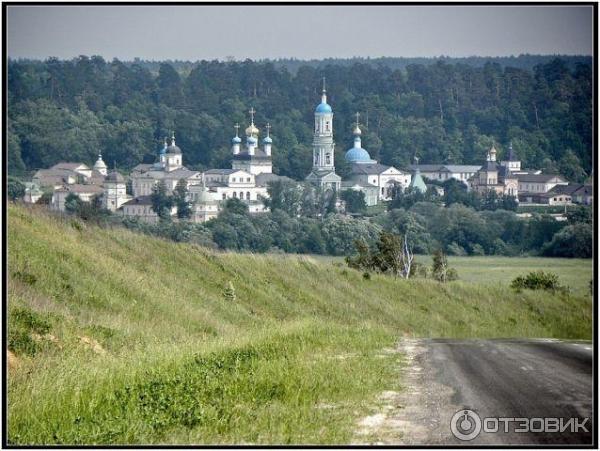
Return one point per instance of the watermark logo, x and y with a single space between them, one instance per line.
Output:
467 424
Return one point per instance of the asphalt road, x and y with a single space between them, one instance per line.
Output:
496 379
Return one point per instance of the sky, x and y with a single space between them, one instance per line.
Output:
303 32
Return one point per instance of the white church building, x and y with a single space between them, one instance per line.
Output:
371 177
323 169
247 179
377 181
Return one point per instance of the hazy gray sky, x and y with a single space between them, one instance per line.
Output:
209 32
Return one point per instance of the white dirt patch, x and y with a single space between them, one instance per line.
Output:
372 421
405 417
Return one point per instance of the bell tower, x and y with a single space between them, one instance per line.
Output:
323 144
323 169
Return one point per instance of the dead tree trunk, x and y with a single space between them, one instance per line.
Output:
407 257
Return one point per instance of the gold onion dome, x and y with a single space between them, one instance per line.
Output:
252 130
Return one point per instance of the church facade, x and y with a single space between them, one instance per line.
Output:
247 179
376 181
497 177
370 175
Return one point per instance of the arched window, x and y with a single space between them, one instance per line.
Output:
235 194
248 195
327 159
224 196
327 126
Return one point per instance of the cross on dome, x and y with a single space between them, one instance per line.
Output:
357 130
252 130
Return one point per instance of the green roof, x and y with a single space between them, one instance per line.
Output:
417 182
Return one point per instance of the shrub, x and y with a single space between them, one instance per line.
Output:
363 260
15 189
20 342
440 270
451 275
537 280
29 319
419 270
22 323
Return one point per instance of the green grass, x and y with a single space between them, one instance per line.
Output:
297 357
575 273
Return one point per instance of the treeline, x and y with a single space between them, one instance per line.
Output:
457 229
523 61
446 113
309 223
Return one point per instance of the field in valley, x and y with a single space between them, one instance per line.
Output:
120 338
575 273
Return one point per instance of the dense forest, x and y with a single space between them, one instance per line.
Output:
446 111
526 61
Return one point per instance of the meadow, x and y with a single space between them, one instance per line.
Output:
575 273
121 338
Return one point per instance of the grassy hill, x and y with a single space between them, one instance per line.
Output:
121 338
